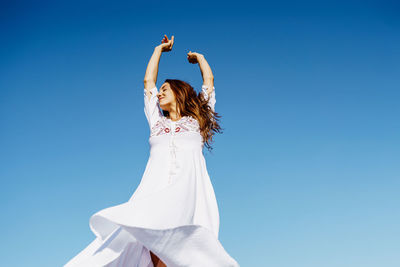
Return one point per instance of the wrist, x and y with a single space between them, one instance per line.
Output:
158 48
200 58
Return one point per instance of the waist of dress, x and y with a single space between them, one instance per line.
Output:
185 148
181 142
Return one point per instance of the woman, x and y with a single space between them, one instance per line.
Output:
172 217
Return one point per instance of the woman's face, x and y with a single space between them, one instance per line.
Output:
166 97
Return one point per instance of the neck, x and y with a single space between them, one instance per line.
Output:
174 116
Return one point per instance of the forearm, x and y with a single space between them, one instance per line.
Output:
205 69
206 73
152 67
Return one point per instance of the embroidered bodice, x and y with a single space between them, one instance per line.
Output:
161 125
185 124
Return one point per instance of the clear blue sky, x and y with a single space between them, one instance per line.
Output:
306 173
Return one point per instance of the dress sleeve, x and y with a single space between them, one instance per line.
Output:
152 108
211 98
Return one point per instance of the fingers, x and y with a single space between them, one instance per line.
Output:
170 42
164 39
167 43
192 57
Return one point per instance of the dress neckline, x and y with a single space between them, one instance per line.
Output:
177 120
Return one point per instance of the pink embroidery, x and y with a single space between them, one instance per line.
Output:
185 124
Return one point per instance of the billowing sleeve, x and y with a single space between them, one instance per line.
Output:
211 98
152 108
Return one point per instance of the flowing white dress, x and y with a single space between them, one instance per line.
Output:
173 212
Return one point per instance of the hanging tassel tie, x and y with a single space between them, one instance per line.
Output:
173 164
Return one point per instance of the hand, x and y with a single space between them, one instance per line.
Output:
166 45
194 57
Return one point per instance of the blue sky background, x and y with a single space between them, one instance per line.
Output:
306 173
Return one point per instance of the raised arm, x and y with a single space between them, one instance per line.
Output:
150 78
206 73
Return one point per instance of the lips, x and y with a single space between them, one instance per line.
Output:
160 98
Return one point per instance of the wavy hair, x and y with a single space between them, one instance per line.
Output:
194 104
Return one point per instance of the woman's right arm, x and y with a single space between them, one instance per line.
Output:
150 78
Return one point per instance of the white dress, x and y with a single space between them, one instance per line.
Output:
173 212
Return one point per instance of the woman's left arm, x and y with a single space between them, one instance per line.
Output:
206 73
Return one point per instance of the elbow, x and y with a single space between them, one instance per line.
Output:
148 80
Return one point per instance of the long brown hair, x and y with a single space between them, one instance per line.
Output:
194 104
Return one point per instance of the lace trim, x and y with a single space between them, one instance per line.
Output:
185 124
210 98
152 109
